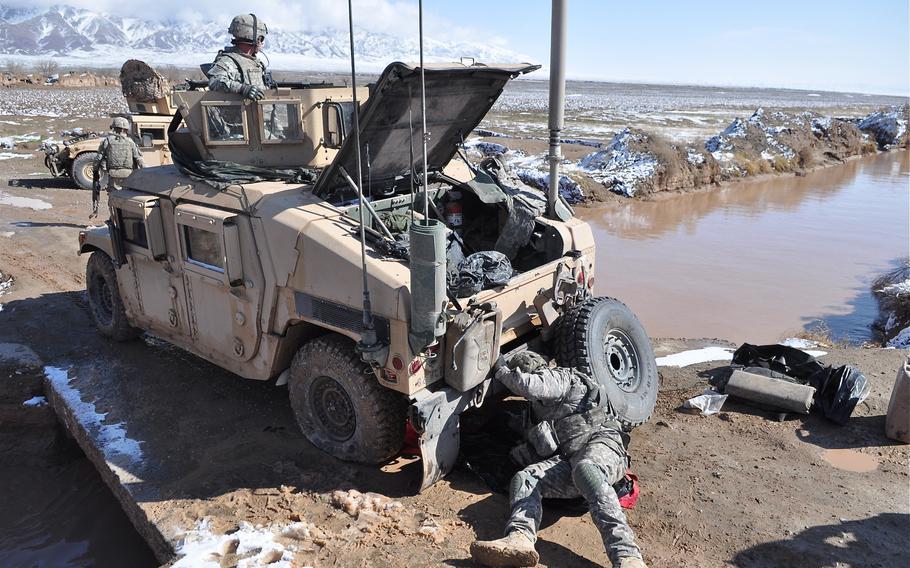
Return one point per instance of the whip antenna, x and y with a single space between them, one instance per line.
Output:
423 114
368 339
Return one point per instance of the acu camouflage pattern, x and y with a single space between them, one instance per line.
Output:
232 70
590 472
118 156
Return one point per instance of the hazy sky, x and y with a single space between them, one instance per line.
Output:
813 44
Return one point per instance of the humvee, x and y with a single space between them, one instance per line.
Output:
148 120
263 276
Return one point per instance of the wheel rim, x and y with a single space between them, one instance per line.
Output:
88 171
103 300
622 360
333 408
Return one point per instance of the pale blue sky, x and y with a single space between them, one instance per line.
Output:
811 44
833 45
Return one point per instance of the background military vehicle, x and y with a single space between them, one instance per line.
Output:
150 111
255 252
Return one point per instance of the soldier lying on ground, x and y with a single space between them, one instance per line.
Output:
117 156
575 448
236 68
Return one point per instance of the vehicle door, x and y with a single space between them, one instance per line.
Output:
151 288
153 145
222 285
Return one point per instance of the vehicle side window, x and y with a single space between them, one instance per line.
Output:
132 226
338 118
203 248
157 133
225 123
280 122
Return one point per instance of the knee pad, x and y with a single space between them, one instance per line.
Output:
589 479
521 485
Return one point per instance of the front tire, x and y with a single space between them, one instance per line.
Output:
339 405
81 169
602 338
105 304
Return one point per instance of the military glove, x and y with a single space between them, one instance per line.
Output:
252 92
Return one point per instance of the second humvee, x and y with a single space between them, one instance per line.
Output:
261 273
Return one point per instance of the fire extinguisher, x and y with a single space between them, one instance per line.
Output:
453 211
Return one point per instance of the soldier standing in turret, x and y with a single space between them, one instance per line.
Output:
236 68
117 156
575 448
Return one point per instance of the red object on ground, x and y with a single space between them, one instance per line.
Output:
629 500
411 446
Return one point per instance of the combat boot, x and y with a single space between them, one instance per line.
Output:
630 562
516 549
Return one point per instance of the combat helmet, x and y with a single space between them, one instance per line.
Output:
527 361
247 27
120 122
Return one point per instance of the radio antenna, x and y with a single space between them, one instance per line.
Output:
411 147
423 115
368 340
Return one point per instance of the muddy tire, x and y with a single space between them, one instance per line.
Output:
339 405
81 169
603 338
104 302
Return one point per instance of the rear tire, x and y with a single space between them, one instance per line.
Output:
339 405
81 169
105 304
602 338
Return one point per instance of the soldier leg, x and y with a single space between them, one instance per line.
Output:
595 469
550 478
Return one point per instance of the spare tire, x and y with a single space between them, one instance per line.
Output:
603 338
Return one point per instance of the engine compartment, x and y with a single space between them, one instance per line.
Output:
494 213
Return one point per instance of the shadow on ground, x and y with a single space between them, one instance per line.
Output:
44 183
879 541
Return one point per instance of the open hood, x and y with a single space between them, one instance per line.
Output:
458 97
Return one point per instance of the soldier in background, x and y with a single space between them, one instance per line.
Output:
575 448
117 156
236 68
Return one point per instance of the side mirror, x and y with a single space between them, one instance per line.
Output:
147 140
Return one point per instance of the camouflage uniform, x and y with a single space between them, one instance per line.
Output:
589 472
117 156
235 72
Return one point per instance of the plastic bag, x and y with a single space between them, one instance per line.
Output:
837 391
709 402
482 271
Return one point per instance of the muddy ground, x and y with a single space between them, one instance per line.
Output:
739 488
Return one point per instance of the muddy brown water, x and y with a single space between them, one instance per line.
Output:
56 510
758 260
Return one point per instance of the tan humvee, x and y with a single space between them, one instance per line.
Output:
263 278
148 128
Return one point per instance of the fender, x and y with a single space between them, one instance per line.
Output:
96 238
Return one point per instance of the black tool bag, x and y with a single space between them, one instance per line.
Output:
837 390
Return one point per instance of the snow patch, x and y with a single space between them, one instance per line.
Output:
901 340
256 545
24 202
897 289
35 401
693 356
618 167
13 155
112 438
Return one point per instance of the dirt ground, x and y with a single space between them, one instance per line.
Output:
738 488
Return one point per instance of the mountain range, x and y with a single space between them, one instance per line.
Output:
65 31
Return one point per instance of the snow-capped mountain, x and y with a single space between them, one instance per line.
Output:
64 31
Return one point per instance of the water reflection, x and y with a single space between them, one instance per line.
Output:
756 259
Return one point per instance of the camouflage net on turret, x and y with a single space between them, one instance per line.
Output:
141 82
